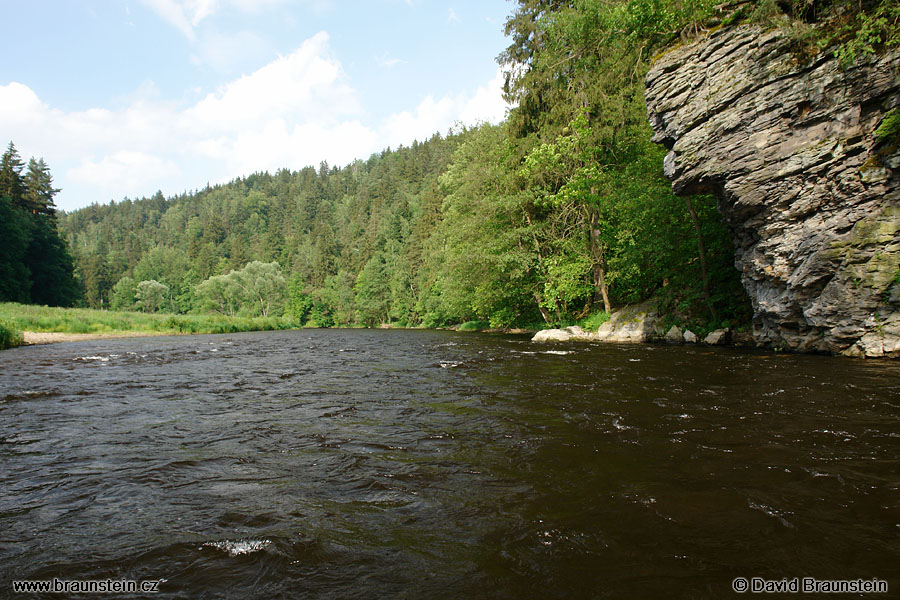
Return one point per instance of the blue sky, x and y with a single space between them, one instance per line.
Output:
127 97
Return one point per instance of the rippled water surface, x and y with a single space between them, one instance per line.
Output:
417 464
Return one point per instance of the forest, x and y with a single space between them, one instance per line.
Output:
558 214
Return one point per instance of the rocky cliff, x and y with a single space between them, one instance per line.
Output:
811 197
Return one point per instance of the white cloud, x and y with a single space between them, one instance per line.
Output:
306 85
297 110
124 173
278 144
256 6
429 117
452 16
19 106
486 104
200 9
176 13
387 62
229 53
186 15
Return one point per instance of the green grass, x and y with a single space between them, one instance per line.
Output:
10 336
85 320
473 326
593 321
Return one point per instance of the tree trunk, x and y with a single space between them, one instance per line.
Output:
540 255
702 247
598 260
543 310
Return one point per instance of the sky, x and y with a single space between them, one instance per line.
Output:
123 98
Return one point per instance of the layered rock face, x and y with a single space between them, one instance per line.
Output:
812 199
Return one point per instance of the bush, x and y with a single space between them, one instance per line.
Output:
10 337
473 326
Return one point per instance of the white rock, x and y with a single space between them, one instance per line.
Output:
674 335
718 337
552 335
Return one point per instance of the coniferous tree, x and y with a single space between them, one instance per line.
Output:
39 190
35 264
11 184
51 266
15 235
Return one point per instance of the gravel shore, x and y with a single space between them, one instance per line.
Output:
39 337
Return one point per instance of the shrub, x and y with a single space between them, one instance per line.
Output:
593 321
473 325
10 337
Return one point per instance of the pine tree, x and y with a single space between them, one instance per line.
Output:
39 190
11 184
35 264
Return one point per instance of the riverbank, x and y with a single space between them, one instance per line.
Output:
35 325
642 323
31 324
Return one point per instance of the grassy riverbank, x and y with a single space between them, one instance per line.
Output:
16 318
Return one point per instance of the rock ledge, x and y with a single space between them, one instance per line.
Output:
811 198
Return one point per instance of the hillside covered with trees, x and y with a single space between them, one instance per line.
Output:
560 211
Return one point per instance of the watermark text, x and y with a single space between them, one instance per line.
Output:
94 586
808 585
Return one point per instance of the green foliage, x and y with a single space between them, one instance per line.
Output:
372 291
123 294
473 326
262 287
15 231
12 185
858 31
299 304
151 296
220 293
593 321
485 256
256 290
10 337
52 272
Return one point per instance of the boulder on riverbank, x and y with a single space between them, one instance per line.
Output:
562 335
631 324
641 323
719 337
675 335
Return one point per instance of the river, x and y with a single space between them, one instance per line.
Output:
427 464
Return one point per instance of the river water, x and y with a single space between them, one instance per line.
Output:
425 464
